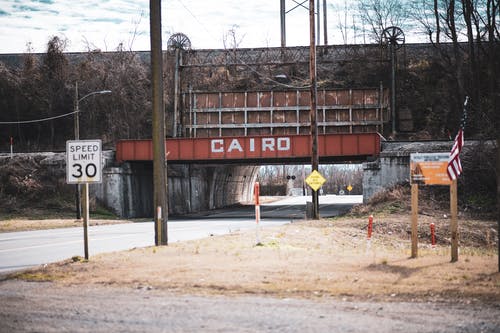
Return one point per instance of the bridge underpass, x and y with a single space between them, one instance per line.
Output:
210 173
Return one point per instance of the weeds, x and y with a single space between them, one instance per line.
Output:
37 276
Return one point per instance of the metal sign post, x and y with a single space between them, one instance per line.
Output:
315 180
84 166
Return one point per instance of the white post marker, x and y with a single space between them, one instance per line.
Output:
158 224
11 147
256 190
84 166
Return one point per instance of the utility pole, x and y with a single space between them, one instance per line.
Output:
318 25
76 117
159 156
314 123
283 13
283 23
393 87
176 91
325 26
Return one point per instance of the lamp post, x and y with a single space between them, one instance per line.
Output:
77 137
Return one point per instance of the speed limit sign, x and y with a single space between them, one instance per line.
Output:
83 161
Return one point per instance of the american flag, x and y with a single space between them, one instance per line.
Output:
454 166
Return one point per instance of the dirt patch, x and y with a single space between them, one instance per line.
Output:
328 258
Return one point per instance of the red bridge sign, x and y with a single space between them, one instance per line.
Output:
255 149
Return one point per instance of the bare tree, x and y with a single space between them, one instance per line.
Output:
55 74
230 39
427 19
380 14
125 113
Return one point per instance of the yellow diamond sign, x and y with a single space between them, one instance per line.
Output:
349 188
315 180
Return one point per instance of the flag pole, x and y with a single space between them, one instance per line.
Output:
454 221
498 200
454 170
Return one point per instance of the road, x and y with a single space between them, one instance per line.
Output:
48 307
20 250
290 207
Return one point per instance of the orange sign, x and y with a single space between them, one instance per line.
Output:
429 169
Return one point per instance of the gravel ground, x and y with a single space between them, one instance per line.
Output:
49 307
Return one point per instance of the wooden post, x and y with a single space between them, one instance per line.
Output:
160 195
454 221
313 115
414 220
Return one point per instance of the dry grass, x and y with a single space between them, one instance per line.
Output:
305 259
327 258
19 224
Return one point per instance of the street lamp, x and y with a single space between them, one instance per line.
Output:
77 137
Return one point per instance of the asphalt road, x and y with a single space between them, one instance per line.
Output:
290 208
20 250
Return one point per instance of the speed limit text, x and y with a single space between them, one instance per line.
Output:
83 152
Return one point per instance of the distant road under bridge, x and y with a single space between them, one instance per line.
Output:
256 149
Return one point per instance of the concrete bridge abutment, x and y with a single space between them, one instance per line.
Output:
128 189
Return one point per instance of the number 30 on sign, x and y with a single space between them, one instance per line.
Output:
83 161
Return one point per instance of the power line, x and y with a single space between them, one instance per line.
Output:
36 120
243 62
196 18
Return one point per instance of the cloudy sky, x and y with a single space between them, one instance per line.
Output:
104 24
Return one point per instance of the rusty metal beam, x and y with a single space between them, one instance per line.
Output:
263 112
257 149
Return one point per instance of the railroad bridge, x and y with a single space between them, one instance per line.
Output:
229 114
272 127
230 134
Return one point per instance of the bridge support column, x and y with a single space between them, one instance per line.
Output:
388 170
128 190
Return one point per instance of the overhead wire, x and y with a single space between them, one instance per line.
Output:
196 18
36 120
240 60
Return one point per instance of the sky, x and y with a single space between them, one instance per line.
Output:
104 24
